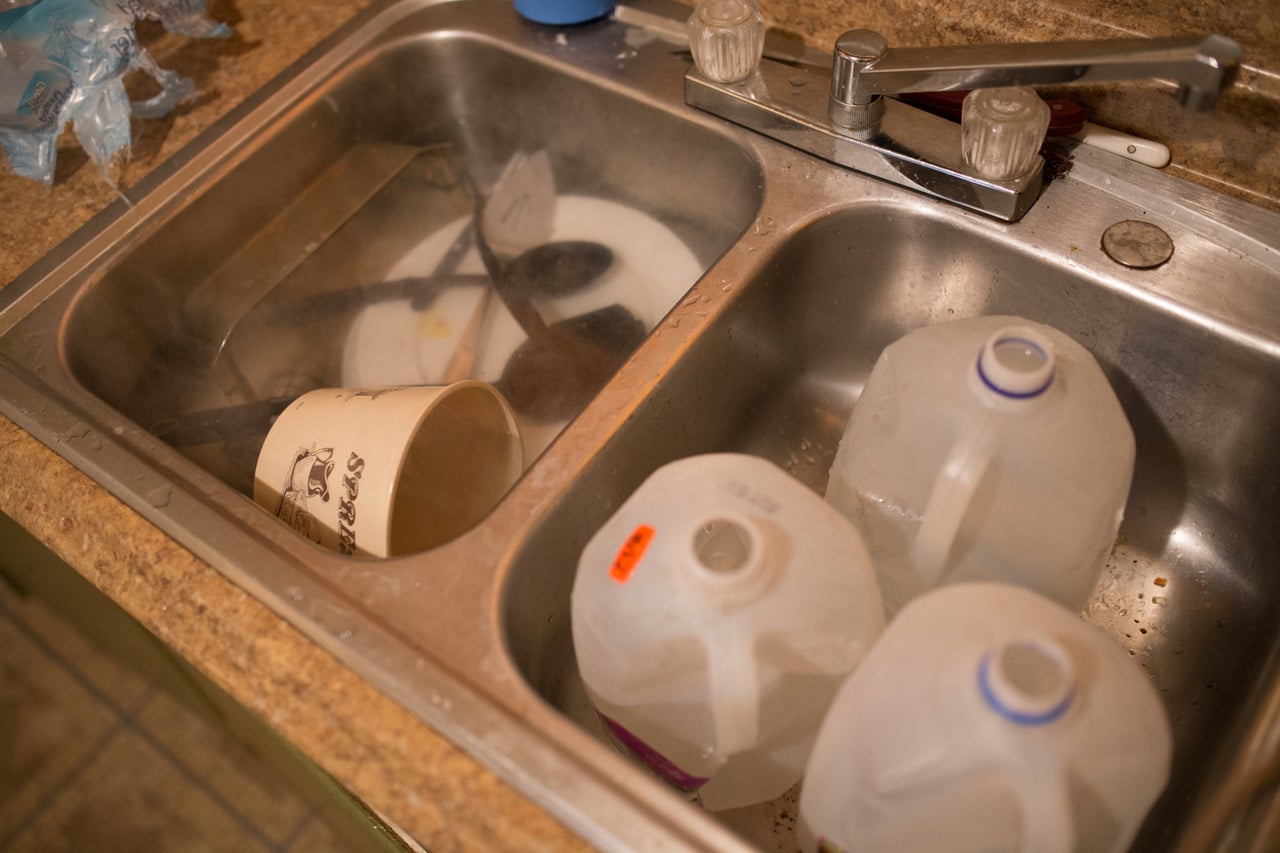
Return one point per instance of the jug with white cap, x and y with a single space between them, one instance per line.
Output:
989 718
990 448
714 616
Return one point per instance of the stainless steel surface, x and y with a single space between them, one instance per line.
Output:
858 129
811 270
856 51
899 144
1202 66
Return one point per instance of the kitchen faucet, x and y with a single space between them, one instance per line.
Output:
857 127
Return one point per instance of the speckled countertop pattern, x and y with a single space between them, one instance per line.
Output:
369 743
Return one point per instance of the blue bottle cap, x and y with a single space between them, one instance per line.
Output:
560 12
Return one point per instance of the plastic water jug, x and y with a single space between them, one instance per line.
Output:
986 449
714 616
988 718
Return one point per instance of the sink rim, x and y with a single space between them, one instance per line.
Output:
473 708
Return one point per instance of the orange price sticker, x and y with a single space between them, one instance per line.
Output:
630 553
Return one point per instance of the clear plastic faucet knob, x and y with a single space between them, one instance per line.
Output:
1001 131
726 38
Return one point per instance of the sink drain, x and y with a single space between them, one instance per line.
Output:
1137 244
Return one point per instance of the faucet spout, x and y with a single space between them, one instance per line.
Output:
1202 66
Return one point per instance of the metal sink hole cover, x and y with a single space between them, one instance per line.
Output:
1137 244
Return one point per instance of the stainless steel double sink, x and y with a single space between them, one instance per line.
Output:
810 271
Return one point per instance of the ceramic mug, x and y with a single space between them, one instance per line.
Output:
389 471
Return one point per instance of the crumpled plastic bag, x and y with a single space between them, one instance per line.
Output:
63 62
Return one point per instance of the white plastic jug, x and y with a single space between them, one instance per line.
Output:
990 448
987 718
714 616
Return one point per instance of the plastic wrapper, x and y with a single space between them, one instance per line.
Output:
63 62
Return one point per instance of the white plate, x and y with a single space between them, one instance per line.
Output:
391 344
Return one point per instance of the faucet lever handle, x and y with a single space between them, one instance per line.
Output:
1202 66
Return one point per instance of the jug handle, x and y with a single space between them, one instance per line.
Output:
1048 826
735 692
948 503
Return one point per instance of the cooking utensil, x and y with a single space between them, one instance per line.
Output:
464 356
555 373
552 269
559 268
520 208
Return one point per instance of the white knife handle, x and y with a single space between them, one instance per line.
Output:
1126 145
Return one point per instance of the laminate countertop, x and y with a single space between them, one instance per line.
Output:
381 752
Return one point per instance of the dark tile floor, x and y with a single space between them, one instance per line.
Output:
92 757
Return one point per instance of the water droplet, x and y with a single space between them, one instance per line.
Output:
159 497
346 634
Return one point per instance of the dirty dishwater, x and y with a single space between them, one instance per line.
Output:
320 210
222 424
552 269
646 270
555 269
559 268
560 367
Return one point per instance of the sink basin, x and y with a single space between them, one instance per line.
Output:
776 374
189 300
235 283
